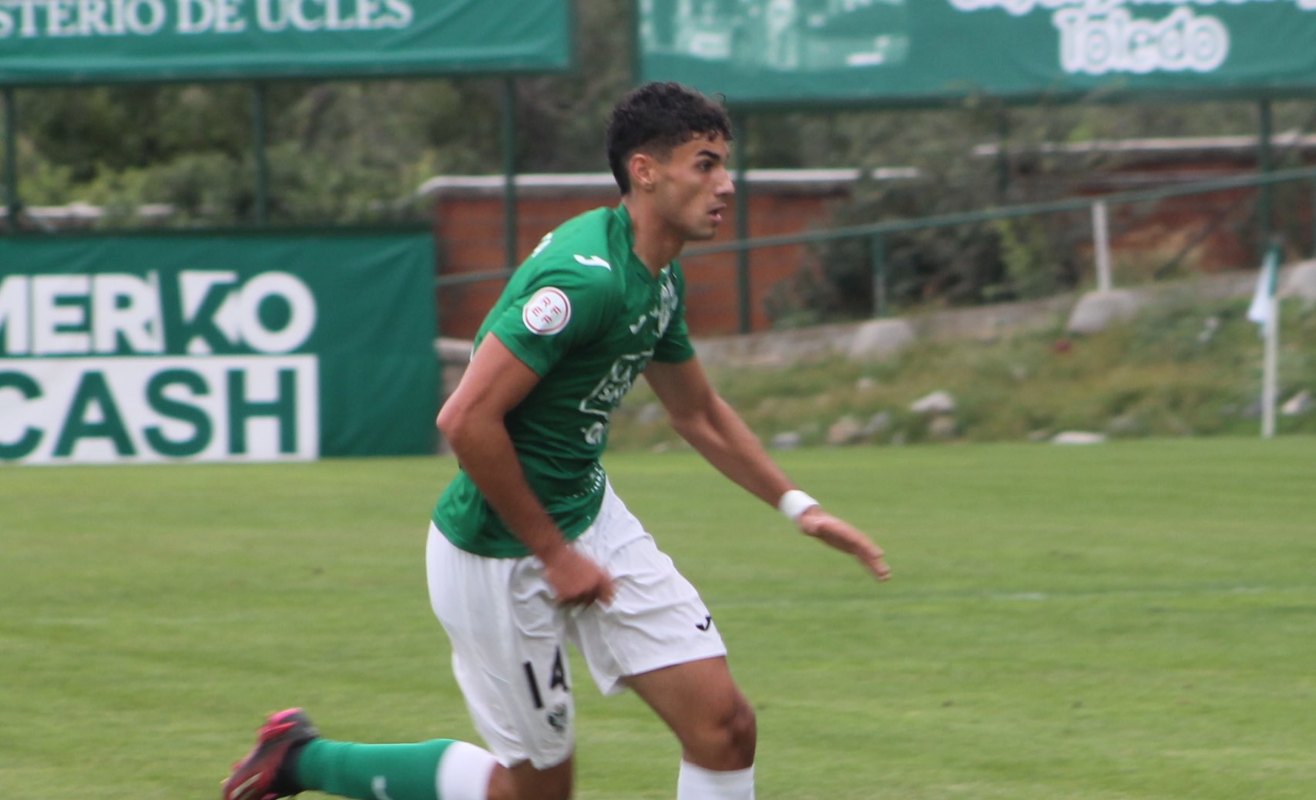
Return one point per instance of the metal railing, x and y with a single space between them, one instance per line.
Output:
877 233
1099 207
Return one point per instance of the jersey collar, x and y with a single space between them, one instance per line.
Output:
623 215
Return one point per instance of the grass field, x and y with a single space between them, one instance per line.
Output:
1128 621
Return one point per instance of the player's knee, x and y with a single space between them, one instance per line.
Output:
743 730
728 738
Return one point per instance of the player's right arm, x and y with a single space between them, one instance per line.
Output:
472 422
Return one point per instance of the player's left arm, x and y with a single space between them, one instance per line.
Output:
704 419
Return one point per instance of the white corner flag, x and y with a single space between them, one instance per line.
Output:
1264 311
1263 296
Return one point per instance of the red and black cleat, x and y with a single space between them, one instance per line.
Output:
263 774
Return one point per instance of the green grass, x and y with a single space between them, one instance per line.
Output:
1127 621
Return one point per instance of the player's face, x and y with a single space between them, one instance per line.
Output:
693 187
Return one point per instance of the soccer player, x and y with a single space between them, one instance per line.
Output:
530 548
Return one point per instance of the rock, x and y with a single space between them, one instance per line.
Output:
941 428
880 340
1097 311
1298 404
788 440
938 402
864 384
1178 425
1127 425
846 430
878 424
1078 437
1301 282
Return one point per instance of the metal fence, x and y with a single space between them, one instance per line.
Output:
878 234
1097 207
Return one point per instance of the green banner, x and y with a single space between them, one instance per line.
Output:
99 41
250 347
766 52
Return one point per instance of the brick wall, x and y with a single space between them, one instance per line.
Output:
469 218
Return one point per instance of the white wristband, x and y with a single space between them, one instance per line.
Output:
794 503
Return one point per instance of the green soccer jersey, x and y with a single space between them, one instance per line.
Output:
587 316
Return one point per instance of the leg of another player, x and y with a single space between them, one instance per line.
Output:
524 782
713 721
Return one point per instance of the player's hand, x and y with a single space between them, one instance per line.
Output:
575 579
843 536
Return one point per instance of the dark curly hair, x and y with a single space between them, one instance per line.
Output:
658 117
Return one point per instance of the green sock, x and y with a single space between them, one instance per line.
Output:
372 771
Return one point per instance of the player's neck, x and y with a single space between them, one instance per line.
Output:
656 244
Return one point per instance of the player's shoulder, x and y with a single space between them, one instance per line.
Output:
581 249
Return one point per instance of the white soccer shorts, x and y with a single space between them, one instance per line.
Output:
508 635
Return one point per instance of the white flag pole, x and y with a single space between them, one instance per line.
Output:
1265 312
1270 370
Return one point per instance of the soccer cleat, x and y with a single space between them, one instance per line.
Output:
262 774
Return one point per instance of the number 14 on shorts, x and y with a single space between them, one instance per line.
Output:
557 681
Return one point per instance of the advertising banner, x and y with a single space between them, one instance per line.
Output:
216 348
100 41
922 51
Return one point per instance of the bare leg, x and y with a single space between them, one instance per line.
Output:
700 702
524 782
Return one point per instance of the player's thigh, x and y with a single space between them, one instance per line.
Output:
508 651
690 695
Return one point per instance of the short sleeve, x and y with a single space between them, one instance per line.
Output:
556 309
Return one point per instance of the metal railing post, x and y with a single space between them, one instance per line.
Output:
744 285
1312 212
877 257
1002 153
511 218
1101 244
12 204
259 128
1266 164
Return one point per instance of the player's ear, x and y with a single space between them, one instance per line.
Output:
644 172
